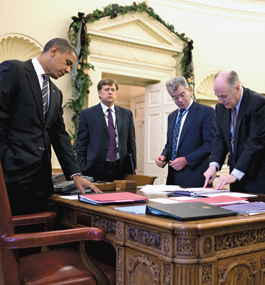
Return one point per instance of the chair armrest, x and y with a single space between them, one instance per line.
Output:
52 237
31 219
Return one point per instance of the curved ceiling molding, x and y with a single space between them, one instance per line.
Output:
206 86
239 9
18 46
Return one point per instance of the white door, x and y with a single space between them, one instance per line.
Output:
158 105
139 133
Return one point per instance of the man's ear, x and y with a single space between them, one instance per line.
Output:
54 50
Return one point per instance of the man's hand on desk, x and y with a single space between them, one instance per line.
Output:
209 175
178 163
225 179
81 182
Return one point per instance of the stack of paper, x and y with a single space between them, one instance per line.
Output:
251 208
195 192
138 210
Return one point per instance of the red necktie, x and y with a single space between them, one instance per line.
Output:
234 123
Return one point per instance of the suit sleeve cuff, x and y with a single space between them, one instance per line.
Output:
238 174
215 164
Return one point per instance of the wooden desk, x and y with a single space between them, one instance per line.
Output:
151 250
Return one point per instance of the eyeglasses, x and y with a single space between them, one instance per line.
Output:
182 96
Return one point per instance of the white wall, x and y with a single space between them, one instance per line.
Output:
224 38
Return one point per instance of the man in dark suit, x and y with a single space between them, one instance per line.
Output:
191 131
95 139
27 131
240 131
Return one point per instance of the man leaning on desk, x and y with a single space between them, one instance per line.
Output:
191 132
240 131
30 122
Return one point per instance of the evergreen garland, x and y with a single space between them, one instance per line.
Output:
78 38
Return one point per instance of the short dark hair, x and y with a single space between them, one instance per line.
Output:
63 45
107 81
174 82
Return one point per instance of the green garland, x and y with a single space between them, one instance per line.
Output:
78 37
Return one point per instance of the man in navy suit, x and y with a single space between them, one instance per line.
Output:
241 132
94 137
26 137
188 157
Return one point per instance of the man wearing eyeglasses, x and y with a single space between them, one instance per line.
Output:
241 132
190 135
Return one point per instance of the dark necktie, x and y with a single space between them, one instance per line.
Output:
234 124
112 153
176 134
44 92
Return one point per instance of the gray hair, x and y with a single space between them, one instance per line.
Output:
63 45
174 82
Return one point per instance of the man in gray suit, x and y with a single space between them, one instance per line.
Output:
27 132
106 137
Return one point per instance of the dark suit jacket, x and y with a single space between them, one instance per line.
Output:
23 137
196 138
93 140
249 142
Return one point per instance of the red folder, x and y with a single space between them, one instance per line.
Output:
111 198
219 200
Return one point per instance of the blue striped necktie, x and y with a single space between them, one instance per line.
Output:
176 134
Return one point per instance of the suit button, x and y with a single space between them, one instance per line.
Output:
40 148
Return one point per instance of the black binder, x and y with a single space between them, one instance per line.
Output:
188 211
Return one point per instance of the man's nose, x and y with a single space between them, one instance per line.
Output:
67 70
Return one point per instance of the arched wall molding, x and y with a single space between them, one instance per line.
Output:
205 87
18 46
205 93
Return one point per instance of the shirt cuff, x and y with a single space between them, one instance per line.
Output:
238 174
72 176
215 164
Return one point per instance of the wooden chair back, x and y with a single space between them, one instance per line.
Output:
140 180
